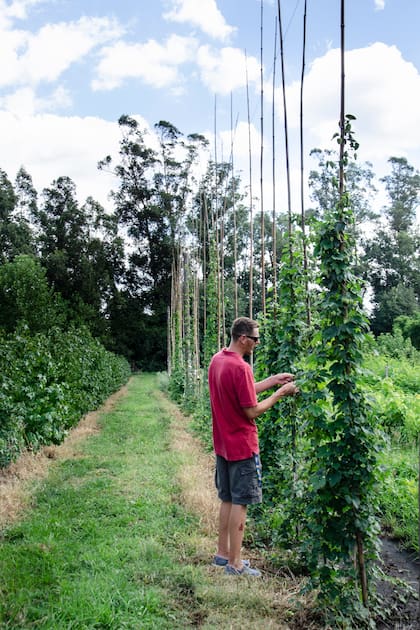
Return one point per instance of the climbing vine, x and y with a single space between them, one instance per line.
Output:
341 512
280 429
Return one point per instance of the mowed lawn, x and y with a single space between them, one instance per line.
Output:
109 540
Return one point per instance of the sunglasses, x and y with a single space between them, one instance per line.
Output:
254 339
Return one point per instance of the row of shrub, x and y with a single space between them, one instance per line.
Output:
49 380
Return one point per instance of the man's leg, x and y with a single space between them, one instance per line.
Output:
223 541
236 534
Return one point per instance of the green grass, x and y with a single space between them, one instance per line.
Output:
398 496
100 547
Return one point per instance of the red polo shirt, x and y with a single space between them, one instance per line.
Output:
232 387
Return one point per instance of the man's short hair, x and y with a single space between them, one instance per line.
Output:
242 326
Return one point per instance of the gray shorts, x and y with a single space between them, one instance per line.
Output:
239 482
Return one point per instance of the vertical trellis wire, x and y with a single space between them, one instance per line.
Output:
274 230
262 238
235 244
251 226
302 199
286 132
215 214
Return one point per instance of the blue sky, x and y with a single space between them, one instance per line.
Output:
70 68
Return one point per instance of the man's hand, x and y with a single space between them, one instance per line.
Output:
284 377
273 381
288 389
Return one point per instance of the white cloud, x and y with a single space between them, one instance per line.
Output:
242 137
24 101
154 63
382 91
204 14
32 58
15 10
379 5
225 70
18 8
50 146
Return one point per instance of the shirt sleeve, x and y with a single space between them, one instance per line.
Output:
246 390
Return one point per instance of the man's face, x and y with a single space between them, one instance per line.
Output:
251 341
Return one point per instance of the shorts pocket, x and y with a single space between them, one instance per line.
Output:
248 481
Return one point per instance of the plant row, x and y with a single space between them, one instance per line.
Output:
49 380
320 452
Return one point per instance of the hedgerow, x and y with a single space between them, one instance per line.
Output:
49 380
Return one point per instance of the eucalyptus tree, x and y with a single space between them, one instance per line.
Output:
219 227
402 186
359 181
26 195
104 261
174 183
15 232
151 204
148 264
80 251
7 196
392 253
175 178
62 232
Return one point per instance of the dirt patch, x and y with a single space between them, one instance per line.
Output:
196 477
399 591
16 479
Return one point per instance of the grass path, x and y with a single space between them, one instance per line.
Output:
120 533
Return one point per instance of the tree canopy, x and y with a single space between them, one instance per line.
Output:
113 270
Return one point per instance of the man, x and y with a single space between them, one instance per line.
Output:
234 405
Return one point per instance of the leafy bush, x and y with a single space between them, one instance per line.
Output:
394 384
409 327
397 412
393 380
399 495
26 297
48 382
395 345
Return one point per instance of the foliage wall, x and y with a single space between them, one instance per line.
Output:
49 381
52 372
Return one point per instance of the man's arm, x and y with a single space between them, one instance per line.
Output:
289 389
273 381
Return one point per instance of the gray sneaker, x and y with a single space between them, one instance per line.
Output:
246 570
218 561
